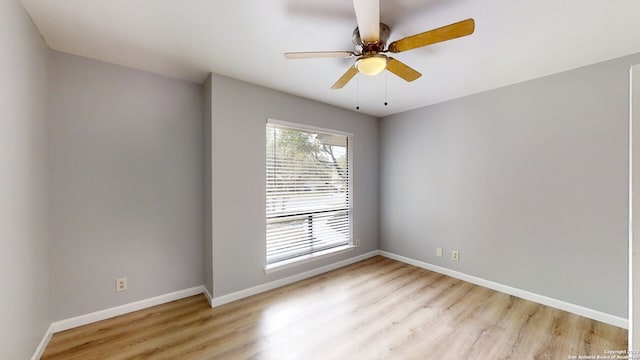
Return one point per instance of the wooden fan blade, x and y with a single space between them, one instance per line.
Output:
344 79
449 32
318 54
368 17
402 70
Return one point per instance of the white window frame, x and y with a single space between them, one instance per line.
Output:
283 264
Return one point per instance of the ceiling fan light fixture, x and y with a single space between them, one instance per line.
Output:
371 65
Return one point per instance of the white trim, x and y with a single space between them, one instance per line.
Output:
301 126
632 329
634 201
100 315
221 300
224 299
43 344
207 294
540 299
123 309
304 259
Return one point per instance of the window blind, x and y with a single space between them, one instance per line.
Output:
308 198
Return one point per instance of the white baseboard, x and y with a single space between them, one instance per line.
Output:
43 344
224 299
217 301
109 313
146 303
207 294
123 309
540 299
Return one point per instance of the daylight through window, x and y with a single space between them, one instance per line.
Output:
308 194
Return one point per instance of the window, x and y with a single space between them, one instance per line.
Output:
308 191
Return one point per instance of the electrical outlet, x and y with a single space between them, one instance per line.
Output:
357 242
439 252
455 255
121 284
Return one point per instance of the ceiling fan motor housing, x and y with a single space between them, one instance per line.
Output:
371 48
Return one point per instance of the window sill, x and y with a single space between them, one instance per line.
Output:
285 264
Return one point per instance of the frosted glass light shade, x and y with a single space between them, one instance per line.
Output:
372 65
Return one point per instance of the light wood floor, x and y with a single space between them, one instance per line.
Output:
374 309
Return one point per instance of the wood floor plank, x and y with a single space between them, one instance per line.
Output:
375 309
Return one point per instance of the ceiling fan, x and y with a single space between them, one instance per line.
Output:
370 39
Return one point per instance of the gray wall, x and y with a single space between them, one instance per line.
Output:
239 112
24 238
127 184
634 168
529 182
208 205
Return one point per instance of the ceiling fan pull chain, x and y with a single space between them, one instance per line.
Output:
358 94
385 90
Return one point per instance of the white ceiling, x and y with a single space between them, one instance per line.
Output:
514 41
